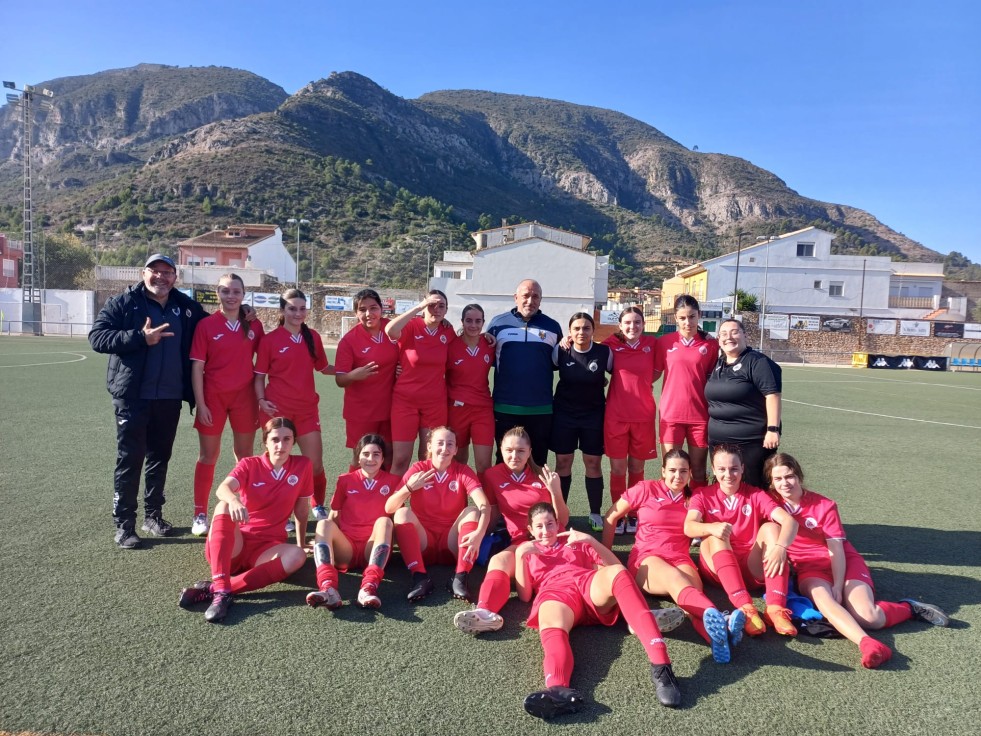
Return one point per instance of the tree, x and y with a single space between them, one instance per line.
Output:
67 263
745 302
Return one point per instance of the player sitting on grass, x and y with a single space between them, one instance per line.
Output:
660 560
831 573
246 546
576 581
745 536
357 533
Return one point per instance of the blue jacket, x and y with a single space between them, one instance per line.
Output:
523 371
118 331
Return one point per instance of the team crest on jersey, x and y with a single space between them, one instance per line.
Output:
442 339
251 335
541 335
454 486
737 367
702 350
593 366
384 490
810 522
747 509
647 349
487 359
536 484
293 479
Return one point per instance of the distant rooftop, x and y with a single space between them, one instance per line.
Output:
234 236
507 234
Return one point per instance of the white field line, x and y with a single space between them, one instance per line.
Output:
884 416
880 378
77 358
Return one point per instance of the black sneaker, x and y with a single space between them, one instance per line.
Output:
666 685
194 594
128 539
458 587
422 585
218 609
927 612
554 701
156 526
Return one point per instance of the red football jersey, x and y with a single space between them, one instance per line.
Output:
746 509
440 501
284 359
514 494
226 353
554 565
423 360
360 501
269 495
467 371
370 399
660 518
818 520
630 397
687 365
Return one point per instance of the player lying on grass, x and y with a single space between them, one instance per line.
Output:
246 546
659 559
831 573
745 536
358 532
576 581
512 487
439 527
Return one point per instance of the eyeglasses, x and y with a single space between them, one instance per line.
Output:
162 274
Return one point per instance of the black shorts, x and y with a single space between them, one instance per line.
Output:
572 432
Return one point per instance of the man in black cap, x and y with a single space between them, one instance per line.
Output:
147 333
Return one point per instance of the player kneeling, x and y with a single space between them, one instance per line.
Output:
246 546
578 582
357 533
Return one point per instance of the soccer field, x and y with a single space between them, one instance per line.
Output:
93 641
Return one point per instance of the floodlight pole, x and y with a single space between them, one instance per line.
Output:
31 316
299 222
735 283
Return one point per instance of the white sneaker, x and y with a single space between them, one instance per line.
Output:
368 597
631 525
319 513
200 525
596 522
290 525
477 620
621 528
667 619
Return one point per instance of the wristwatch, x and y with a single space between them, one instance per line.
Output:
774 428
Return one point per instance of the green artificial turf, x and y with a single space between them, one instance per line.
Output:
92 641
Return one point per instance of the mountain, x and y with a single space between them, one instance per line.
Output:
158 153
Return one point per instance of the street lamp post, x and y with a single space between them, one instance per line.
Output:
735 283
299 222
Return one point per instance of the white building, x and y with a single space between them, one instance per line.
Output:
241 246
797 273
573 280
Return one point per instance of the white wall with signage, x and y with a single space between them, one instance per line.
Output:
806 322
881 327
914 328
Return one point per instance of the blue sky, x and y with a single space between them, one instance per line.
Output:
870 103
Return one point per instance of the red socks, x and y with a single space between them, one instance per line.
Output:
494 591
259 576
558 657
634 478
618 485
372 576
221 542
695 602
204 477
319 488
326 576
776 587
638 614
408 540
873 652
896 613
727 570
463 565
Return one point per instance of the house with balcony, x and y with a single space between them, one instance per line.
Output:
240 247
797 273
573 279
11 258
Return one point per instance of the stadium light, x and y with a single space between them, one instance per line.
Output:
299 222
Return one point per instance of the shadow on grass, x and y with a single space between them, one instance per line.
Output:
880 543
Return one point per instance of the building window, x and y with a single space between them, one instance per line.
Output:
805 250
817 285
836 288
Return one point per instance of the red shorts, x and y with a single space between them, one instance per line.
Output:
675 558
253 545
356 429
239 407
438 550
635 439
358 559
573 591
676 434
855 569
471 423
742 556
409 417
306 422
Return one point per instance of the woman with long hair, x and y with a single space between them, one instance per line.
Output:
222 354
284 384
471 408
